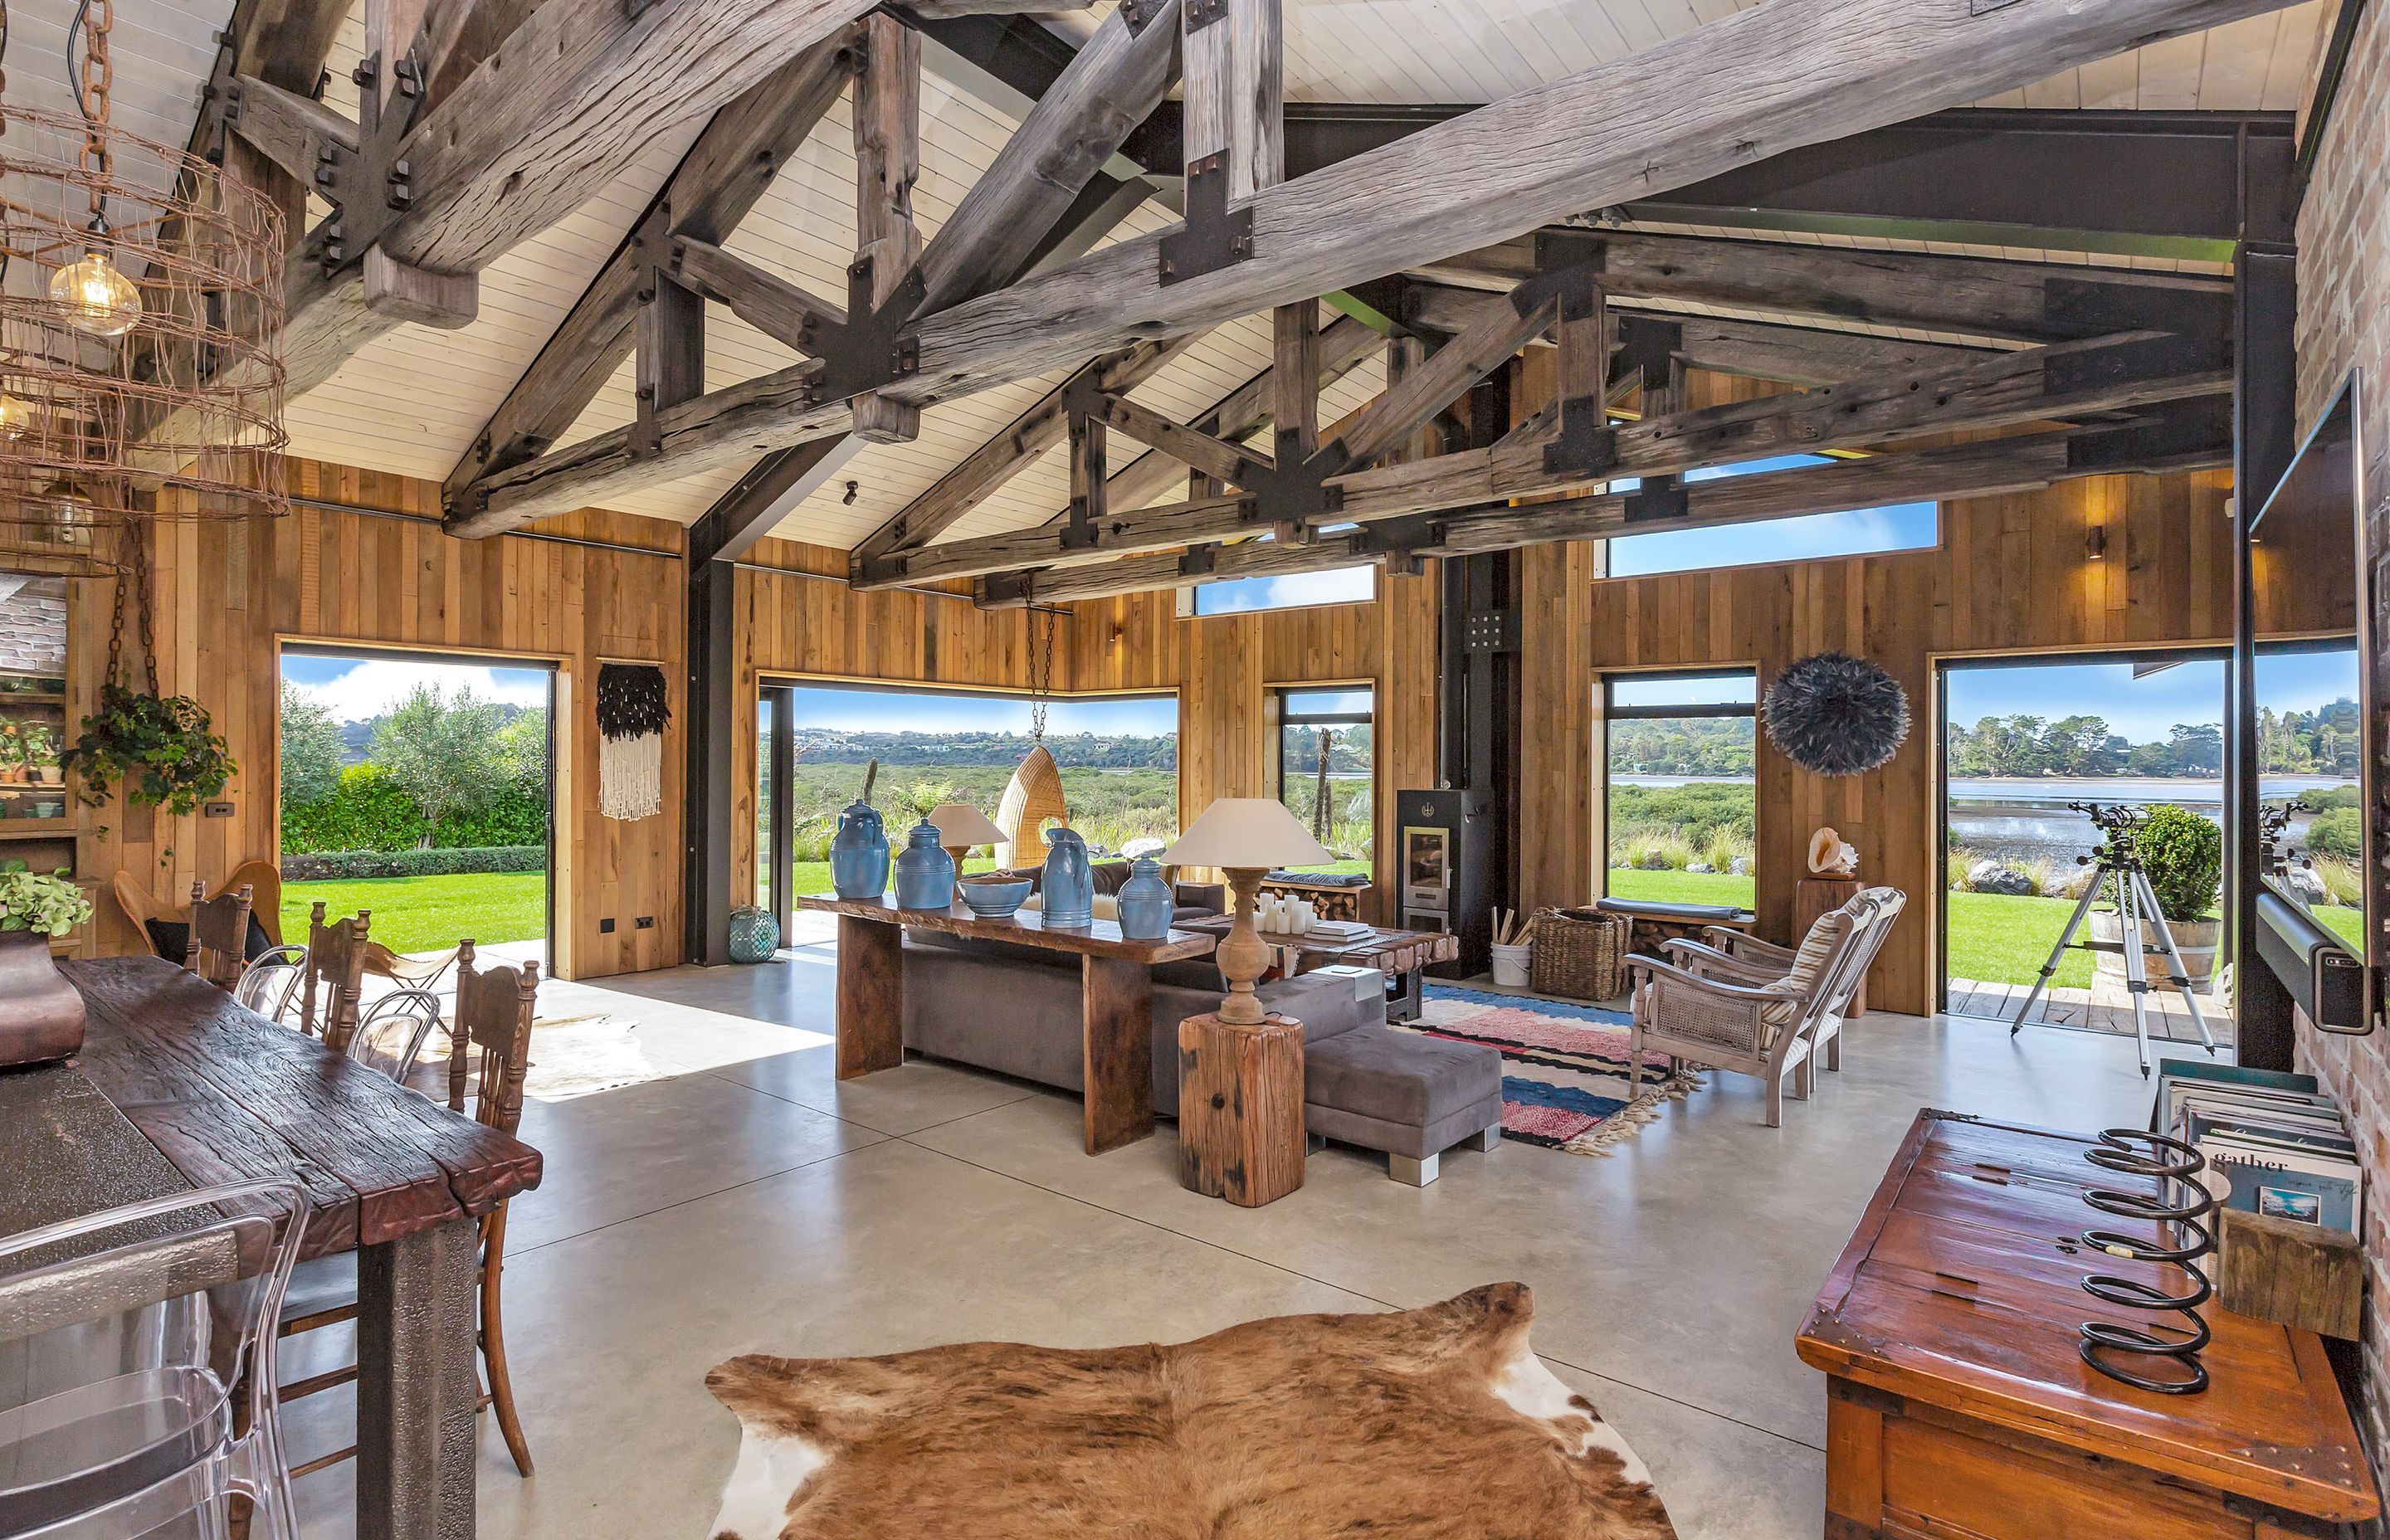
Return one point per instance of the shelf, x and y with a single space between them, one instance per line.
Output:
36 828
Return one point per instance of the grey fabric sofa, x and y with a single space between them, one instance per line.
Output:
1015 1010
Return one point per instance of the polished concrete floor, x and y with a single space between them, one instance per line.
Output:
747 1201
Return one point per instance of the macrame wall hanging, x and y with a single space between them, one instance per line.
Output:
633 711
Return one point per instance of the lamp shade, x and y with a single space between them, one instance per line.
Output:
1248 832
961 825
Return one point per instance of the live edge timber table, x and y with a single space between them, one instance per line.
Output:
1115 998
1958 1403
177 1088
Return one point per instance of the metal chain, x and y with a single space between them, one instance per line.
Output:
1041 680
98 75
142 616
116 620
4 72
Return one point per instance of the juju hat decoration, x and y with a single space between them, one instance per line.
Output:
1834 714
633 711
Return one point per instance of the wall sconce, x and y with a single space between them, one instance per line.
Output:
2094 543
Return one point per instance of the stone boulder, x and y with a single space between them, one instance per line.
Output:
1991 877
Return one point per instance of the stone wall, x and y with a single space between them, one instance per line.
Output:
2343 280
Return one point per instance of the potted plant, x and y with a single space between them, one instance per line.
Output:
41 749
41 1014
12 751
161 748
2184 856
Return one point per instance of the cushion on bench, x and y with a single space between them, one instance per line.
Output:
1651 909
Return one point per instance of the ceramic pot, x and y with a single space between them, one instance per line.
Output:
2197 939
1146 901
41 1015
925 873
1066 894
858 854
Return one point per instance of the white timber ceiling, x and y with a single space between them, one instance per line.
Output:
412 400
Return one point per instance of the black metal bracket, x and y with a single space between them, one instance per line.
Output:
2185 432
1199 14
2160 357
2088 307
1139 14
1660 497
872 349
1213 235
1490 631
371 190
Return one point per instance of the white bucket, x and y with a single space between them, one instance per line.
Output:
1510 966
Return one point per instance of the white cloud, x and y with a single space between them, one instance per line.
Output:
379 686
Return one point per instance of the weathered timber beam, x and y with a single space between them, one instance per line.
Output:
766 300
724 174
1231 463
2015 301
1075 127
887 163
759 500
290 130
1154 529
1673 113
1983 469
2053 383
946 10
1405 408
1002 458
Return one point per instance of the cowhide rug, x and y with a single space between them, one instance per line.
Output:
1434 1424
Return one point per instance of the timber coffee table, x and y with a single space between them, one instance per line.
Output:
1115 997
1402 955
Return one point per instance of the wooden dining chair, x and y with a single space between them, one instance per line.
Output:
264 879
489 1056
330 987
218 935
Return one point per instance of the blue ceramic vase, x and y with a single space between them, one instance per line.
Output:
925 873
1146 901
858 855
1066 894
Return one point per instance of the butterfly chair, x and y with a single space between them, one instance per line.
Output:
331 983
1767 1030
216 934
1740 958
141 1348
489 1053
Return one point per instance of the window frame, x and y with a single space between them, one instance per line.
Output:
1610 712
1279 719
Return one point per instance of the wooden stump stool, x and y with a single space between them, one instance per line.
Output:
1240 1109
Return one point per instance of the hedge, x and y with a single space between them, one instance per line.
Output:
324 866
368 811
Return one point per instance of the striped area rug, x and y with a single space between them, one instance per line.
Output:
1565 1076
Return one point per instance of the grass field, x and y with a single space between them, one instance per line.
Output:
1993 938
429 914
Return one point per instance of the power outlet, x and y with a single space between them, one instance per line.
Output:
605 927
645 922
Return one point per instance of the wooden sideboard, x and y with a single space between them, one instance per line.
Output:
1960 1409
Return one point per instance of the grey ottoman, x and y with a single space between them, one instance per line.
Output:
1412 1097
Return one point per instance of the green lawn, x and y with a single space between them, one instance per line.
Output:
1993 938
430 914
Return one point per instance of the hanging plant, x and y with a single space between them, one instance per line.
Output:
162 748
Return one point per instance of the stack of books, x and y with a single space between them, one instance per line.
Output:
1339 930
2275 1142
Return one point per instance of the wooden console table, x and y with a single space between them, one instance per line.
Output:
1116 1008
1958 1403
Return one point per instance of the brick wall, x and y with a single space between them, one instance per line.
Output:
2345 321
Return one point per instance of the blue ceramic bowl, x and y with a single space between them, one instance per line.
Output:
995 900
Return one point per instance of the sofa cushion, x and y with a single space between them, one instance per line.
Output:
1399 1077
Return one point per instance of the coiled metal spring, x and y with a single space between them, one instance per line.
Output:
2180 1208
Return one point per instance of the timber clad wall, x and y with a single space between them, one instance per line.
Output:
227 592
2344 323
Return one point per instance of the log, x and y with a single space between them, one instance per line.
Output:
2303 1275
1240 1109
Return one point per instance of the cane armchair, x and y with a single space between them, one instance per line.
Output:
1739 958
1768 1030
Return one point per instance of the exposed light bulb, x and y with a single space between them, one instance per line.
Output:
15 416
99 300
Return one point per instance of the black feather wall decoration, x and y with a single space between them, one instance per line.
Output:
634 708
1834 714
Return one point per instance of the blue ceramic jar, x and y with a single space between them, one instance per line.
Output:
1066 894
925 873
1146 901
858 855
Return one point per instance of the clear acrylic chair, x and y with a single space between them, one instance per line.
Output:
137 1368
270 984
392 1033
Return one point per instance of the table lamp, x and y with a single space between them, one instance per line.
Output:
1245 837
960 827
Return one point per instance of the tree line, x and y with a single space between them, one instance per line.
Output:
1681 745
1071 750
2080 745
439 771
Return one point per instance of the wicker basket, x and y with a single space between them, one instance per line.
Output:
1580 954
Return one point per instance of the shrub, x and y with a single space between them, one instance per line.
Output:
348 864
2184 854
516 816
2342 882
367 810
2337 832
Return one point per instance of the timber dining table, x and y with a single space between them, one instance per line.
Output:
177 1088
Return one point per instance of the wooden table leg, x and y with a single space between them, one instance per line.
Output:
417 1389
870 997
1116 1025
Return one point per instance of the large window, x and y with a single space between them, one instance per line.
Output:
1682 819
1294 591
1327 769
1853 532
